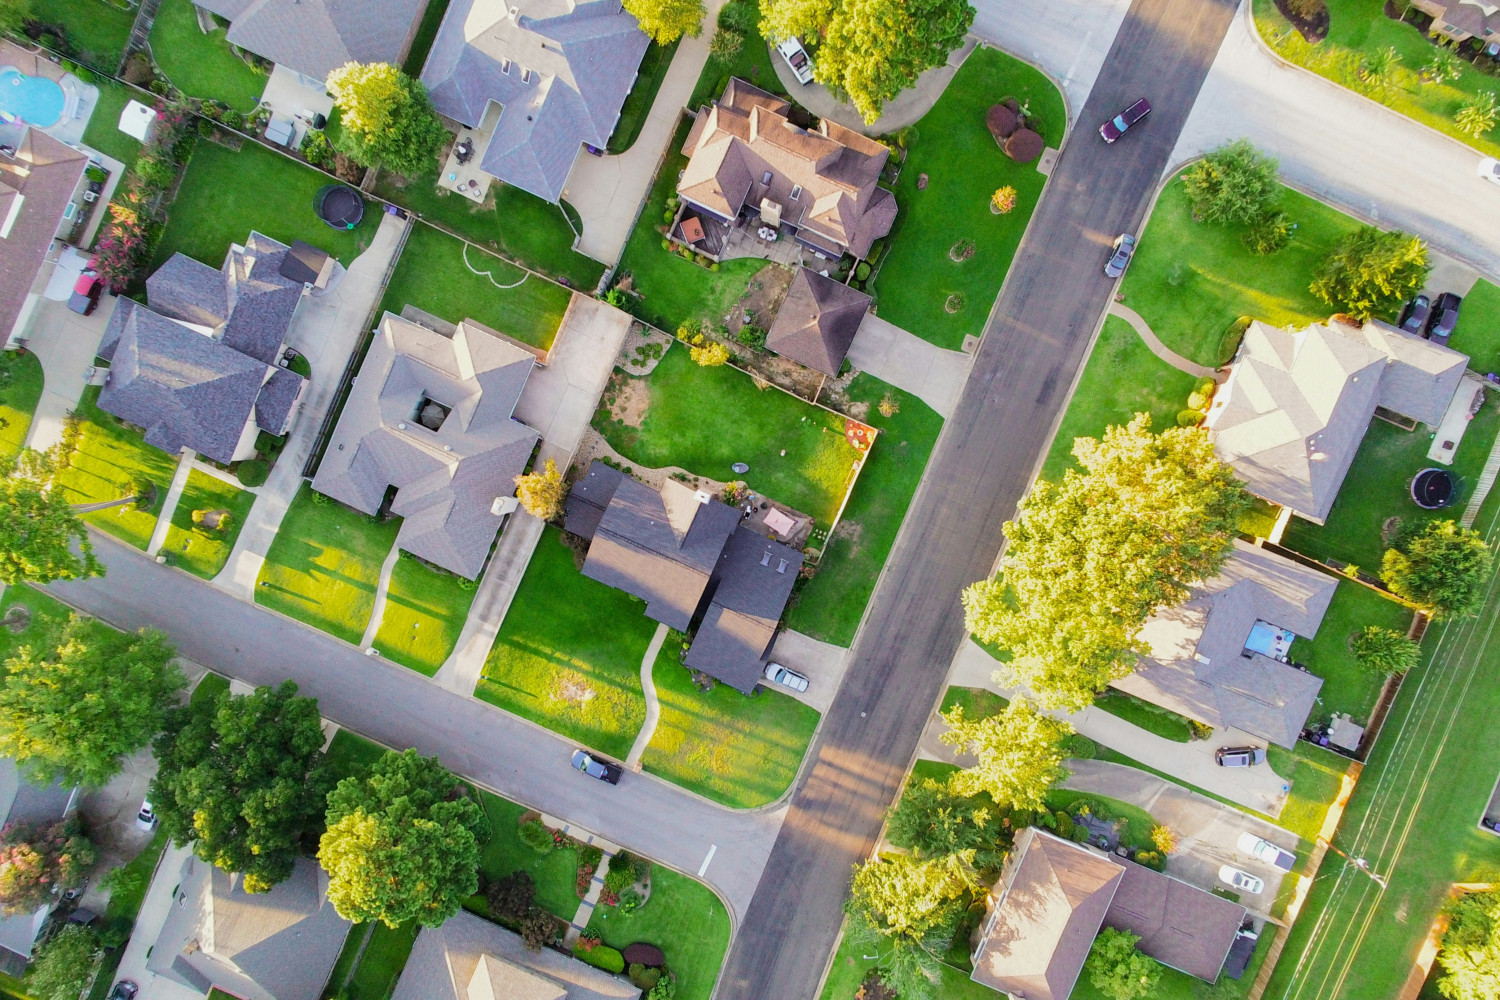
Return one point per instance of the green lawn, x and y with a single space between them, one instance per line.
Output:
351 756
323 566
227 193
1316 775
1136 823
648 78
43 606
568 655
421 44
20 391
103 131
706 419
432 275
109 456
751 64
199 550
743 752
1348 687
1478 330
202 65
552 872
831 604
97 30
977 703
963 166
1122 378
1152 718
1191 280
1377 488
373 976
208 689
684 919
425 610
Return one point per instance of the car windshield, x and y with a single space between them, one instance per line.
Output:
1119 122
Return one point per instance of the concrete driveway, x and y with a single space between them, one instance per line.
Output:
65 343
932 374
822 663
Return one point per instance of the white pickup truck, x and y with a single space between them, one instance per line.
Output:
797 58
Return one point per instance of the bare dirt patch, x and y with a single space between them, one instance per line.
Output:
17 619
573 689
628 400
762 298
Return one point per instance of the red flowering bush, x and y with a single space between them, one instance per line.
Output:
36 862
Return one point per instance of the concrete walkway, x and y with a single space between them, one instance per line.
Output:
497 588
1153 342
169 505
585 911
906 361
653 704
382 590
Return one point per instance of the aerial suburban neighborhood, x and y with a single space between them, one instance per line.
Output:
744 499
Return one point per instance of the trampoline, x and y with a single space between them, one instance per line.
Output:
339 206
1432 489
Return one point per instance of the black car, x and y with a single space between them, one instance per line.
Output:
1443 319
1116 126
1414 315
594 767
124 990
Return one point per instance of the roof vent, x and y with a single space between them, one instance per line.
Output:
447 447
1201 658
765 558
781 566
512 13
1317 456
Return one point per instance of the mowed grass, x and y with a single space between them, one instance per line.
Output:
1191 280
371 974
97 30
200 550
108 458
425 609
831 604
684 919
706 419
963 166
552 872
568 655
20 391
1152 718
44 608
1478 330
103 131
1316 776
737 750
433 276
202 65
1347 686
323 566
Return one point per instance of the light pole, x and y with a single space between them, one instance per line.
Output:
1359 863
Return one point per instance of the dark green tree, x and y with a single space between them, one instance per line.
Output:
933 821
386 118
1442 568
1117 969
1384 651
1234 183
1371 272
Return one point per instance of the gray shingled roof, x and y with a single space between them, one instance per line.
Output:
189 290
1178 924
751 586
303 262
817 321
446 479
589 498
582 60
315 37
274 404
262 301
43 174
1198 665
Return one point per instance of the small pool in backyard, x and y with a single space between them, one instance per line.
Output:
34 100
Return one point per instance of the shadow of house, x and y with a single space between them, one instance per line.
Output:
22 801
316 37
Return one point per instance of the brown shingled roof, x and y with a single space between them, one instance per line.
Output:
817 321
41 176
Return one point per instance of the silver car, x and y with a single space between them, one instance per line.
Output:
1124 246
777 674
1244 881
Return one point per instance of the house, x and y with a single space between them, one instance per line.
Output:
1461 20
469 958
1221 656
548 77
200 365
40 180
430 417
276 945
817 321
21 801
746 156
694 564
316 37
1053 897
1297 403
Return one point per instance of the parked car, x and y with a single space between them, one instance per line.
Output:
1489 169
1232 876
145 819
1414 314
1124 246
1239 756
594 767
1117 126
777 674
797 58
86 292
1267 852
1443 319
125 989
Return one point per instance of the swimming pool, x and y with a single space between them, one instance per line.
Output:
34 100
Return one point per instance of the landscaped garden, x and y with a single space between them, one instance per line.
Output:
637 106
437 274
741 751
1347 685
20 391
202 65
569 653
953 167
324 564
97 30
201 544
425 609
111 461
684 919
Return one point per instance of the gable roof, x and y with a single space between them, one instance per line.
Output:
36 187
447 478
581 60
751 585
817 321
1178 924
589 498
1199 665
315 37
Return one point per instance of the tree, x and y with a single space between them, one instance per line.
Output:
511 898
91 696
668 20
1234 183
1379 71
874 49
933 821
1020 754
782 19
1371 272
1090 558
1442 568
403 843
36 861
725 44
386 118
1384 651
542 493
1117 969
244 781
910 971
1470 955
902 897
1444 65
38 530
710 355
64 964
1477 116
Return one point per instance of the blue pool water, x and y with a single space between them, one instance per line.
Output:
34 100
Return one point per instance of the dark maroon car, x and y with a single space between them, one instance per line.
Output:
86 292
1116 126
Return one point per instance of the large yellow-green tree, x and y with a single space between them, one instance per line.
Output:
668 20
385 118
1019 754
38 530
1371 272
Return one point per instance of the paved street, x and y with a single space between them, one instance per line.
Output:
1048 313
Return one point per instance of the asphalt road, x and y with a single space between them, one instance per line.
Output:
1035 343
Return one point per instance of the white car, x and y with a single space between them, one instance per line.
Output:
1233 877
145 820
1264 850
797 58
777 674
1489 169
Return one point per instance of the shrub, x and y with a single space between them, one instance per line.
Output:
630 901
1200 730
253 472
1164 839
96 173
1079 747
206 128
1477 116
725 44
1080 834
752 336
601 956
1150 859
710 355
1384 651
1003 201
1307 10
862 271
234 119
535 835
199 515
511 898
1189 418
666 989
538 929
1064 825
644 977
1269 233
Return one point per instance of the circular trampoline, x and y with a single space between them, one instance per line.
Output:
339 206
1432 489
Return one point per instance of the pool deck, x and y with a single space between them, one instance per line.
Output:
81 97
